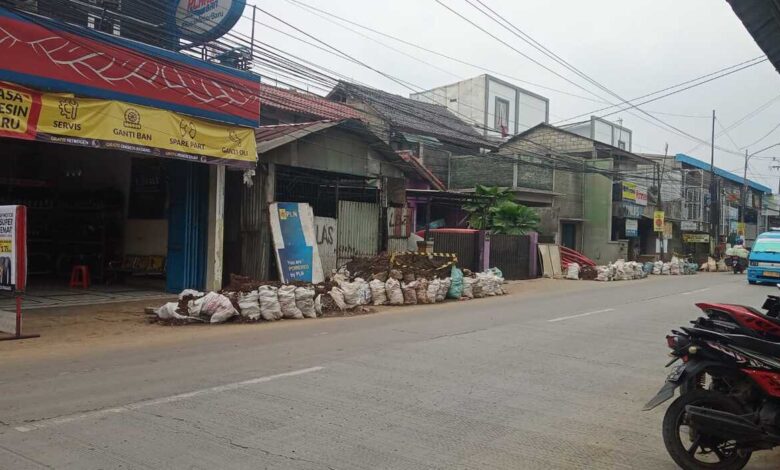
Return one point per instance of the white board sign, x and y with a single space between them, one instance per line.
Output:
326 229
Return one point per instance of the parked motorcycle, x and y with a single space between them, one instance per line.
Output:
729 381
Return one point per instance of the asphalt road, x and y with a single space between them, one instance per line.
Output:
553 379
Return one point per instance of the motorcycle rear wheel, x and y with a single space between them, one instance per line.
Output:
703 452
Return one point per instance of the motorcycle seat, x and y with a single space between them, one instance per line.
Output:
755 344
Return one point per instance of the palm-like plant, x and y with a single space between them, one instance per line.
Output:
496 210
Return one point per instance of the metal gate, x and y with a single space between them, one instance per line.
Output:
358 230
464 245
511 254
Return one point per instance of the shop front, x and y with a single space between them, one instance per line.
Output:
629 204
123 189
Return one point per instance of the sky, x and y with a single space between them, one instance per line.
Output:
632 48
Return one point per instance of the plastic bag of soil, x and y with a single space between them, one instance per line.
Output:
304 300
287 303
573 272
410 293
378 292
351 292
395 295
396 274
444 287
422 291
338 298
433 290
364 292
217 307
249 305
456 286
168 312
603 273
468 288
658 268
269 303
409 277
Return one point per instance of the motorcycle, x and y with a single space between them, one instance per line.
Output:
729 381
738 264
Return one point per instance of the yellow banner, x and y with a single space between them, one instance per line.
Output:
629 191
89 122
658 221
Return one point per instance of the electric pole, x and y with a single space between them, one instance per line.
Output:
743 195
714 199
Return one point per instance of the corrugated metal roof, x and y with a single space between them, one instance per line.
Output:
414 116
270 137
682 158
305 103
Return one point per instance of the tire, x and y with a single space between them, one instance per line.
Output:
679 452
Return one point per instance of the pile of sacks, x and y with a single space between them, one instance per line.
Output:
676 267
714 266
621 270
267 303
404 289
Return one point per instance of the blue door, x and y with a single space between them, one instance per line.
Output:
188 189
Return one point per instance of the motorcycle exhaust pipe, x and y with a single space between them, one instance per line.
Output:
725 425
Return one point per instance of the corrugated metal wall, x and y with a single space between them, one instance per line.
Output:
255 234
511 254
464 245
358 230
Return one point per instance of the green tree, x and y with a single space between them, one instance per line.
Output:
494 209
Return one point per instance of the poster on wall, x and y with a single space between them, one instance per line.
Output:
295 242
632 228
13 248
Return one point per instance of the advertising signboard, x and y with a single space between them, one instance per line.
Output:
658 221
295 242
13 248
696 238
641 196
632 228
202 21
65 119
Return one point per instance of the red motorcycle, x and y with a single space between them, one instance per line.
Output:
729 381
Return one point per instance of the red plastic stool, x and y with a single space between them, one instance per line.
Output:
79 276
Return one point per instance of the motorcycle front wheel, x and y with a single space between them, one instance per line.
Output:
693 449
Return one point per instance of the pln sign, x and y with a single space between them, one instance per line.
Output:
202 21
295 242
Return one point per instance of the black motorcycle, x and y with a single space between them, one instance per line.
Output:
737 264
729 381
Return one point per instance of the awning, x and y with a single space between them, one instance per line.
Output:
66 119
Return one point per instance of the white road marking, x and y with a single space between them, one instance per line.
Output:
695 291
581 315
48 423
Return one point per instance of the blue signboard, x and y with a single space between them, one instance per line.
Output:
292 225
202 21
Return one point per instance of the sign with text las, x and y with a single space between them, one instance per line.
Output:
13 248
50 55
65 119
295 242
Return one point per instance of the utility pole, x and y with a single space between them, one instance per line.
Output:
714 199
659 203
743 195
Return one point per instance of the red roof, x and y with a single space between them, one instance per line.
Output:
305 103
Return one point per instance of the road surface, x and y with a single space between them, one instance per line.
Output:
548 379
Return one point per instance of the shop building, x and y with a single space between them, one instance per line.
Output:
120 150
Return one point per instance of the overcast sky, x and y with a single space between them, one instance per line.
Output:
632 48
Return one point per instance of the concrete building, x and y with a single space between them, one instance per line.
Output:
603 131
496 108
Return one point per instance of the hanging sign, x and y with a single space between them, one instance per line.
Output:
658 221
632 228
696 238
13 248
741 229
629 191
202 21
689 226
65 119
668 231
641 196
295 242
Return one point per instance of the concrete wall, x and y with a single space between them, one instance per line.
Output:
597 196
498 90
466 99
547 137
531 110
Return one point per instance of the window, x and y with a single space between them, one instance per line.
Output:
502 117
621 145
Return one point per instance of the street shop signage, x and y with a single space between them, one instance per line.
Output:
13 248
696 238
295 242
627 210
689 226
50 55
658 221
632 228
59 118
201 21
630 192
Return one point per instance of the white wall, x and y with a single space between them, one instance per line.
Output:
581 129
466 99
499 90
532 111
